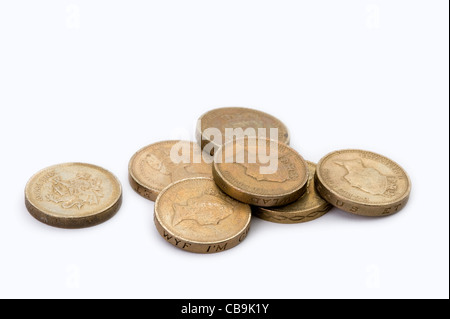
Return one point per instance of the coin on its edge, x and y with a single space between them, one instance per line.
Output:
246 182
236 117
151 169
309 207
362 183
196 216
73 195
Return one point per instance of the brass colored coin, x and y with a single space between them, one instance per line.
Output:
196 216
232 118
152 169
309 207
362 183
73 195
238 174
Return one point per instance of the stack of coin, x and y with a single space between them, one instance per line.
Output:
356 181
206 192
288 195
207 208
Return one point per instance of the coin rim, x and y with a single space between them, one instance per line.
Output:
203 141
247 224
243 193
324 207
404 196
74 221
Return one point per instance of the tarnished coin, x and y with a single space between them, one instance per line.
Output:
260 172
156 166
196 216
362 183
309 207
211 126
73 195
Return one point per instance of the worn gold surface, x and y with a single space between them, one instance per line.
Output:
244 181
151 168
362 183
309 207
237 117
73 195
196 216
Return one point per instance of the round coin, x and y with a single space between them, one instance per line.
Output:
196 216
73 195
156 166
211 126
309 207
362 183
260 172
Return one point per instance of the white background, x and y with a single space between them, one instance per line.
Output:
94 81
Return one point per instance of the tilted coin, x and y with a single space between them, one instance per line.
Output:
156 166
260 172
236 118
196 216
73 195
309 207
362 183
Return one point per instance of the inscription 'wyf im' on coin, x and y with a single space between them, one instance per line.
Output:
196 216
363 183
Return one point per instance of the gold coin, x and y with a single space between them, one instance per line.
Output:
260 172
232 118
309 207
152 168
73 195
196 216
362 183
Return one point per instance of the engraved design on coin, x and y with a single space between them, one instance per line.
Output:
77 192
205 210
159 160
285 171
156 161
195 215
282 175
368 179
73 195
253 171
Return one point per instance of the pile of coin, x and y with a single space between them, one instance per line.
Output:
207 192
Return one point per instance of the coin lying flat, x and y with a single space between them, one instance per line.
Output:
73 195
309 207
152 168
232 118
196 216
265 174
362 183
